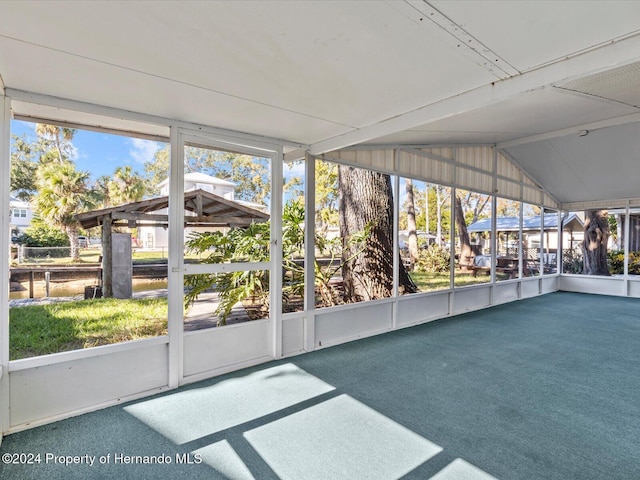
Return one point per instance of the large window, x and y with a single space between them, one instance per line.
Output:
66 261
472 213
293 245
508 242
532 239
227 229
354 235
633 240
424 234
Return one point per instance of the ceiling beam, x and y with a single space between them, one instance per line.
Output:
613 54
583 129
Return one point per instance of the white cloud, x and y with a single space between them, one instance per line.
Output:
143 150
293 169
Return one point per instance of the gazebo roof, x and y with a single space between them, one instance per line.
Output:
512 224
207 209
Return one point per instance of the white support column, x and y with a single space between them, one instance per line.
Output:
275 287
5 139
452 249
560 254
627 225
520 237
396 249
493 246
541 250
176 259
309 251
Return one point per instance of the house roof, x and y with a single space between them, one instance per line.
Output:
208 209
199 177
17 203
532 223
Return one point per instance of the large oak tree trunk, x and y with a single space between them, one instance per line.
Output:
366 199
594 245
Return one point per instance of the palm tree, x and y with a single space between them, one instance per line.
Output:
63 192
60 136
126 186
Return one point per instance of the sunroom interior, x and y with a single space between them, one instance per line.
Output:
537 104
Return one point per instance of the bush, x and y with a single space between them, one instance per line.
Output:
616 262
40 234
434 259
572 261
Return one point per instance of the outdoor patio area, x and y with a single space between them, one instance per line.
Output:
541 388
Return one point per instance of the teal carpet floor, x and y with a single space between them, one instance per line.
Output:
545 388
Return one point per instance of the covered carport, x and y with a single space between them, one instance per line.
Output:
536 102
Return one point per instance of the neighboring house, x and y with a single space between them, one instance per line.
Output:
157 237
20 216
508 228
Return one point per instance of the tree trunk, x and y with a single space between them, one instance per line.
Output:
594 245
411 220
72 234
466 253
366 200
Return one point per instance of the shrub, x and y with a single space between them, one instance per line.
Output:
435 259
616 262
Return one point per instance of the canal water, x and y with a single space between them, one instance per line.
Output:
70 289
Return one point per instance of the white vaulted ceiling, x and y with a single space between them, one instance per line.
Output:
525 75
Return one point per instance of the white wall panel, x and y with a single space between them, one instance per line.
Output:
341 324
63 388
414 309
219 348
634 288
530 288
292 335
474 298
549 284
505 292
592 284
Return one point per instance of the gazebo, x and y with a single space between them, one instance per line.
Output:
202 209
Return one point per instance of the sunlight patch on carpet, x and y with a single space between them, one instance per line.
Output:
194 413
223 458
460 469
340 438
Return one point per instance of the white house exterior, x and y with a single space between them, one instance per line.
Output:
157 237
20 215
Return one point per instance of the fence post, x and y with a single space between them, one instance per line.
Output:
47 278
31 277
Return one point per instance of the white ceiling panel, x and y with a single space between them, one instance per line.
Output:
602 165
117 87
531 33
336 74
532 113
339 62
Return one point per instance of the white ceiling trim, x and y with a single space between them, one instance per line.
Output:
616 53
74 105
460 38
583 129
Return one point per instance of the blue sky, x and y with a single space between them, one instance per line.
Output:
100 153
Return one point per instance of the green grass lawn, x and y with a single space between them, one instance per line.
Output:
60 327
429 282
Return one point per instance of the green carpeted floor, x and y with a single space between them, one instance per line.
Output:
545 388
